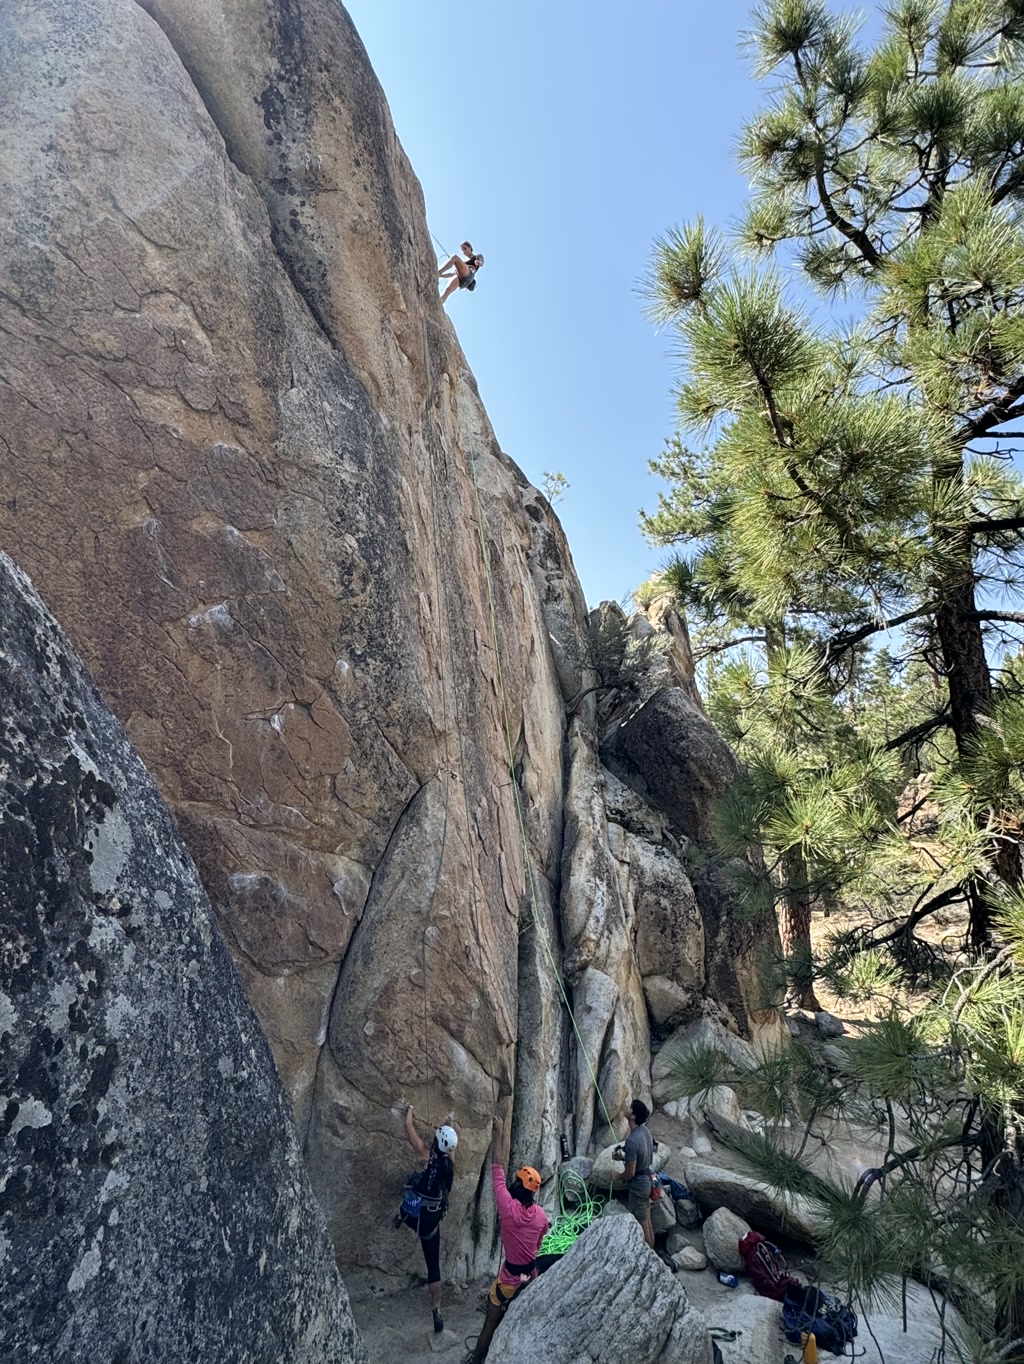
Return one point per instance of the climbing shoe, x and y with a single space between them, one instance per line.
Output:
438 1322
667 1259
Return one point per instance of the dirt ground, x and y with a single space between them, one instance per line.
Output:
393 1316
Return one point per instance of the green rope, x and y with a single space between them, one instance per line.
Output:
572 1221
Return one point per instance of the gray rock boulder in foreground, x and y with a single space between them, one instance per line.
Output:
609 1300
153 1204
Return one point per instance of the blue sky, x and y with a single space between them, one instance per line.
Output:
561 139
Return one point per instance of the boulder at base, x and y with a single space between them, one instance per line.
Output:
723 1232
154 1204
609 1300
771 1212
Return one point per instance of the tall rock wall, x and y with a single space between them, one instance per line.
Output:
246 465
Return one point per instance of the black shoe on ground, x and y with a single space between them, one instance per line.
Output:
438 1322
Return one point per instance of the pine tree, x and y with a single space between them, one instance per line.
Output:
840 486
815 798
850 480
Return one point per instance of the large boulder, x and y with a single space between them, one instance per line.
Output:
782 1214
663 1214
881 1337
154 1202
678 759
689 1257
609 1300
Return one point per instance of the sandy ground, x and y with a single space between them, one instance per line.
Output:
393 1316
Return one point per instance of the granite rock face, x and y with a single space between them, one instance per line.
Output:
153 1200
247 467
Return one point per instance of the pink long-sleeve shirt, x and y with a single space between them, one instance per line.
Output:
522 1229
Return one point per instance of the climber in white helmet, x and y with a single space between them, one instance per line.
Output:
426 1202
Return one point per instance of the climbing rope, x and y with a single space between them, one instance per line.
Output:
571 1221
445 598
444 249
510 750
444 611
439 595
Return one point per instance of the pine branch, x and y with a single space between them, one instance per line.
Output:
1013 183
989 969
905 926
920 731
853 234
848 639
1003 410
991 525
1017 616
700 654
880 1172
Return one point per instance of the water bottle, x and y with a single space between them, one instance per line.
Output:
565 1147
730 1280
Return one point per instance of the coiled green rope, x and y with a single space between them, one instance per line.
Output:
570 1223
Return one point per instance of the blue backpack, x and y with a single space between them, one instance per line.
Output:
806 1309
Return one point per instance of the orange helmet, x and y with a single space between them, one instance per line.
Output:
528 1178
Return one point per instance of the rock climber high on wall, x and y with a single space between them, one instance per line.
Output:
461 271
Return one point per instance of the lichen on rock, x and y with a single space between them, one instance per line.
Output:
153 1202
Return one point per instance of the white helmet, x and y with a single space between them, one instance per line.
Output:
447 1139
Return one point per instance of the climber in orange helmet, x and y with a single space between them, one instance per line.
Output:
523 1227
462 272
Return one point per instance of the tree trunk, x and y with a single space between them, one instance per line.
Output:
998 1143
968 678
795 929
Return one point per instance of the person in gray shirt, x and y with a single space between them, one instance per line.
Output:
639 1152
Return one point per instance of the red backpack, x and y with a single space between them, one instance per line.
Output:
766 1266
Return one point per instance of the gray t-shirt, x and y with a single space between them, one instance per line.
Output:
640 1147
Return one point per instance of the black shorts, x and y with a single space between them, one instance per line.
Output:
466 280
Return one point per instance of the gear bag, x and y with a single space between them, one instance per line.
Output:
807 1309
766 1266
